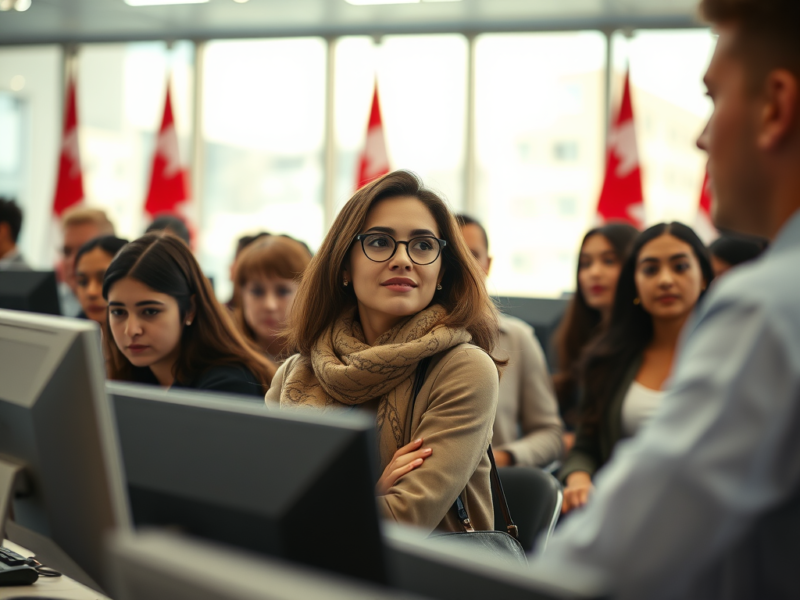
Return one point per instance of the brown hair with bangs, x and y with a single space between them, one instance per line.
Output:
164 263
322 298
270 256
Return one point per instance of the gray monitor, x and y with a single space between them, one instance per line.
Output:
32 291
298 485
59 466
157 565
446 572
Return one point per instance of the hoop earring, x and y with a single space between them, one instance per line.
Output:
439 287
346 283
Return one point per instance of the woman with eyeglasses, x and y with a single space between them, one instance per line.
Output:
392 299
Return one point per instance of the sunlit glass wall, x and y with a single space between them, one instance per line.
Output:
539 130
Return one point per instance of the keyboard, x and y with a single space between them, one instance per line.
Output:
15 569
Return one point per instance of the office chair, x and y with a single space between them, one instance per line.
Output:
534 499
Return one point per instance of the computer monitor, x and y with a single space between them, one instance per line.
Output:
543 314
295 485
440 572
158 565
59 468
32 291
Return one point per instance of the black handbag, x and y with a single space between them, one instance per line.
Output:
503 544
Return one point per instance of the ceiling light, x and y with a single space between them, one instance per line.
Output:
162 2
22 5
370 2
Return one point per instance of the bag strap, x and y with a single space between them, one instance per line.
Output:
458 505
511 527
419 381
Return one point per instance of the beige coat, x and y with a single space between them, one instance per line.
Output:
454 414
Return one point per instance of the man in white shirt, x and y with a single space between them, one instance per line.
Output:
527 428
705 502
10 225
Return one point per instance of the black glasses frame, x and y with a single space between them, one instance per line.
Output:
362 236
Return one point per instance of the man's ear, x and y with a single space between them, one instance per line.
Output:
779 113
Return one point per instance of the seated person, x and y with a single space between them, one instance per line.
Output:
392 286
266 281
527 428
665 275
730 250
10 225
91 262
242 243
171 223
167 328
603 250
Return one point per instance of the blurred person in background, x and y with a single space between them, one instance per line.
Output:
173 224
730 250
603 251
168 329
242 243
623 372
91 262
527 428
266 279
79 225
10 226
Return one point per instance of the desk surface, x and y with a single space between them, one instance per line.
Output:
62 587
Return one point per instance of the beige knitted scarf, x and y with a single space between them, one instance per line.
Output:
343 370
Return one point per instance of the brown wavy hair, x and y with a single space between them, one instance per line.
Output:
164 263
270 256
322 298
581 323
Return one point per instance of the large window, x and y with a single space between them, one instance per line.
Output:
671 109
263 125
539 131
121 91
422 81
30 117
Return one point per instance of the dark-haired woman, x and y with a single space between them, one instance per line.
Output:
394 294
603 250
665 275
168 329
91 262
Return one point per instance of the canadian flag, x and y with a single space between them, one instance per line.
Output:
69 187
374 159
168 181
704 226
622 198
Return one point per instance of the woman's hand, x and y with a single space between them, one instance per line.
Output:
576 494
405 460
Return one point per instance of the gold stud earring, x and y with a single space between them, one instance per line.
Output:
636 301
346 283
188 323
439 287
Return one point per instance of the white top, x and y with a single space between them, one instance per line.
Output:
705 501
639 405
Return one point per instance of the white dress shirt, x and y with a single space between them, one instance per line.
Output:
705 502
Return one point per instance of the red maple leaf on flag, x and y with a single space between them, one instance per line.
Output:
168 180
704 225
621 198
374 160
69 186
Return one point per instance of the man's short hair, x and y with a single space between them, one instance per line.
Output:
464 220
769 29
10 213
81 215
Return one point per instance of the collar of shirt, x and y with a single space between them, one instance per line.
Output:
789 235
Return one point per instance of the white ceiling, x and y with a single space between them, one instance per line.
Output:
55 21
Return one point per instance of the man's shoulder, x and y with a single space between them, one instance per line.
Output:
514 326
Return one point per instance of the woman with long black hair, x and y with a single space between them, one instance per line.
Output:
665 275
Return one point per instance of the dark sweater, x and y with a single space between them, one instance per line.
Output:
229 379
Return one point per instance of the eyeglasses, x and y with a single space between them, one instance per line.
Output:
380 247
